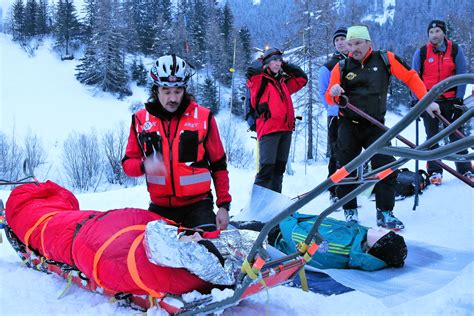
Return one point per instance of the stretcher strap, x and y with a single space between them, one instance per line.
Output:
303 280
42 237
107 243
38 222
132 268
254 271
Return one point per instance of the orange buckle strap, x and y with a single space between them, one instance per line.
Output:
107 243
132 268
38 222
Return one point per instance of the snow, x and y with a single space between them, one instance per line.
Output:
387 12
41 94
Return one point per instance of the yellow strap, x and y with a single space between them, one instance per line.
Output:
303 280
253 274
302 247
68 285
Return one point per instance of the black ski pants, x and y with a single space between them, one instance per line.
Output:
197 215
352 137
432 126
274 150
332 147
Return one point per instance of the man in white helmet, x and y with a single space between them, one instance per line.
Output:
175 143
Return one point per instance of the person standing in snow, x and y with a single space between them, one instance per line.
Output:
175 143
271 82
339 42
364 77
437 60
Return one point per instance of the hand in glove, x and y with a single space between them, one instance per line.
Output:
262 109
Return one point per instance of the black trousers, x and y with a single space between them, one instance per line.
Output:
273 150
352 137
332 147
432 127
200 214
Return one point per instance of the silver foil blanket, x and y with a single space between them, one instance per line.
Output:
164 248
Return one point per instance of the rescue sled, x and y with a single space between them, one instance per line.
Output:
260 270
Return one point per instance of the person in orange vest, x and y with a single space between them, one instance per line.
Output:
175 143
364 78
439 59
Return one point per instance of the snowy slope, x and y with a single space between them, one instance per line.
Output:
444 217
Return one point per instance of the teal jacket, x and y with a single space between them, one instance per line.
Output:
344 243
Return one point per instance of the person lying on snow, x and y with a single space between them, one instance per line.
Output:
214 257
349 245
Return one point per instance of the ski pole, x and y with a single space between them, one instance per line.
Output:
346 104
417 178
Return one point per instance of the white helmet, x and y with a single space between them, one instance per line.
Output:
170 71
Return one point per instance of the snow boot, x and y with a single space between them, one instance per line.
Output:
387 220
351 215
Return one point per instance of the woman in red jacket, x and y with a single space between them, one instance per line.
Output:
175 143
271 83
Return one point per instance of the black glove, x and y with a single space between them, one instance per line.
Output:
262 109
458 101
255 68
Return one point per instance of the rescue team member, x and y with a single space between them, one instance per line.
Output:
271 83
175 143
439 59
364 77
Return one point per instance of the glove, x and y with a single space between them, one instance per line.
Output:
255 68
262 109
458 101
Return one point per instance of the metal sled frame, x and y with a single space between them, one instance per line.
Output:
259 270
288 266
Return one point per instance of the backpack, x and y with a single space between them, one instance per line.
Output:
406 180
250 112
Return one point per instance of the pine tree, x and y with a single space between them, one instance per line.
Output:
197 32
139 72
244 51
165 40
208 95
67 27
31 15
104 62
42 27
227 31
17 21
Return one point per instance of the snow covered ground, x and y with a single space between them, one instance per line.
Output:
42 94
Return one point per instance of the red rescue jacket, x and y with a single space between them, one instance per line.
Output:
190 145
278 96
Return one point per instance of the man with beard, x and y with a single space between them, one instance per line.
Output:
175 143
440 59
364 77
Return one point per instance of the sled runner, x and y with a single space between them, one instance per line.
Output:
260 271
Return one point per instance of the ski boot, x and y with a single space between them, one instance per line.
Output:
436 178
469 175
387 220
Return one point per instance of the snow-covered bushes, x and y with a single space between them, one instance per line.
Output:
82 160
11 158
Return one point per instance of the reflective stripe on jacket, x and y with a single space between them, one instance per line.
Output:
187 173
